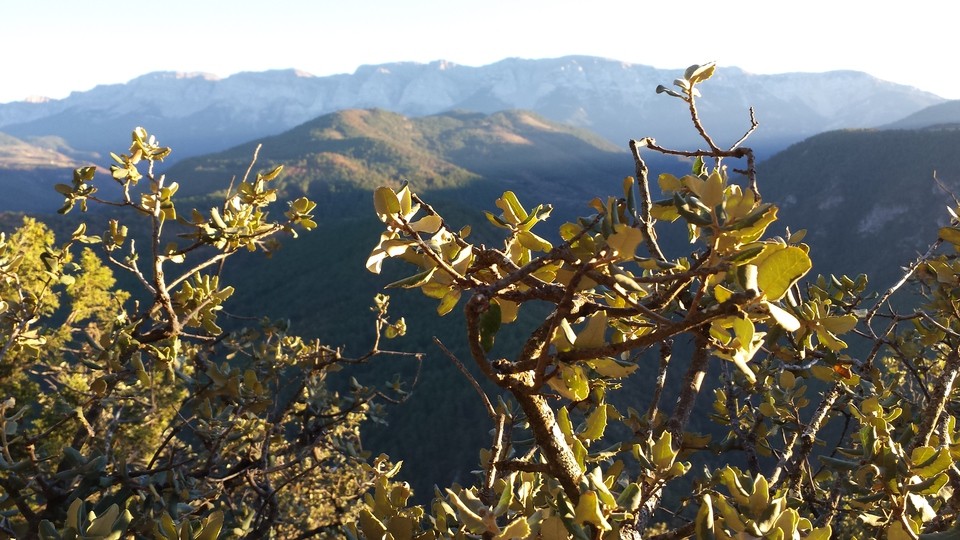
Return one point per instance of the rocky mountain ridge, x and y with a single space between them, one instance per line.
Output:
203 113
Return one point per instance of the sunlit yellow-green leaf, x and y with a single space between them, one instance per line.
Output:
591 336
385 201
448 302
533 242
508 311
573 383
564 336
663 454
564 423
841 324
588 511
779 271
928 462
712 192
625 240
608 367
783 317
427 224
517 528
669 183
950 234
595 425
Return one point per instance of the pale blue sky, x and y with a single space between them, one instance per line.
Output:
52 47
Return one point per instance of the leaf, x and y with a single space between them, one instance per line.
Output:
489 325
625 240
661 89
518 528
385 201
428 224
698 74
592 335
103 525
588 511
631 497
465 514
949 234
663 454
214 522
370 525
267 177
712 190
576 381
608 367
783 317
595 425
533 242
508 311
704 520
841 324
929 462
552 528
780 270
448 302
415 280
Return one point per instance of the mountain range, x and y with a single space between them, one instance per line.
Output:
200 113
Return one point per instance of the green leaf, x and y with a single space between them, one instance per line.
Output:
465 514
780 270
489 326
267 177
631 497
370 525
578 385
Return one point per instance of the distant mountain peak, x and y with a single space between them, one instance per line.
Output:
200 113
175 75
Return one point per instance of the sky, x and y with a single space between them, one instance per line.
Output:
53 47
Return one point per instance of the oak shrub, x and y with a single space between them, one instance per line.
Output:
795 357
134 413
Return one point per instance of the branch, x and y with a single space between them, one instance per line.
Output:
646 203
941 394
473 382
731 306
790 463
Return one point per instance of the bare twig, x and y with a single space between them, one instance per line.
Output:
491 412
